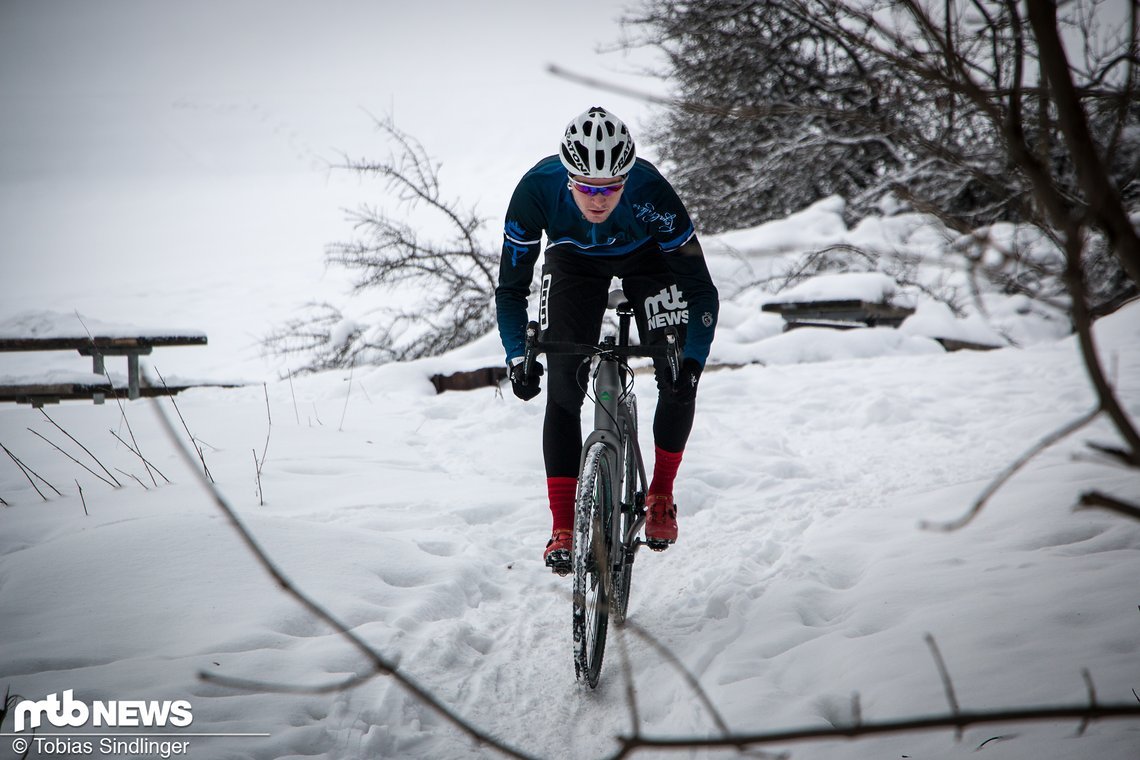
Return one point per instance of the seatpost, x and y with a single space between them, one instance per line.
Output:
625 313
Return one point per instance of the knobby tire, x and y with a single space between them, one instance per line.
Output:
593 582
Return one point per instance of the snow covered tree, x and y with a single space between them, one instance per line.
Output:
938 104
764 124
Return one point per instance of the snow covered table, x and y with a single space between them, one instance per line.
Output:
841 300
52 331
843 313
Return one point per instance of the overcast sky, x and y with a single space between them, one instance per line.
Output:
109 87
157 157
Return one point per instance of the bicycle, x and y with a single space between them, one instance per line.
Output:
609 510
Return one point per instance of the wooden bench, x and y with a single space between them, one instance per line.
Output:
39 394
98 347
839 314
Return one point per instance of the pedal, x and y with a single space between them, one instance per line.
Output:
559 562
658 545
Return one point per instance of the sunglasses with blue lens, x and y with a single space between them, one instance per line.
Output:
604 190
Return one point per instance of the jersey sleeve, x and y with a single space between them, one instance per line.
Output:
687 263
522 242
668 223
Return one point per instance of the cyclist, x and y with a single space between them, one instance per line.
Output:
605 213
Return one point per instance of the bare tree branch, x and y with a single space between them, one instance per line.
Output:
947 683
380 665
1098 500
69 456
80 445
1100 194
958 721
1011 470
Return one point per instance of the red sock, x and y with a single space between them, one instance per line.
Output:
665 467
561 492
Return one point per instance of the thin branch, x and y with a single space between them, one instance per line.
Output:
80 445
630 689
1082 322
146 464
296 413
136 477
907 725
380 664
69 456
944 674
1092 698
23 470
119 402
197 448
81 499
688 677
347 396
1118 455
1098 500
259 463
1010 471
281 688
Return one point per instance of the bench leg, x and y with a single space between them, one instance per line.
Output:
100 370
132 376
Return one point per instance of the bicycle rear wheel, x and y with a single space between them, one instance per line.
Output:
593 581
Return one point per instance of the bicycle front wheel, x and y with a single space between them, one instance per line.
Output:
592 566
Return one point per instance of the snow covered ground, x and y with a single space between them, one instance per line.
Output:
801 579
164 165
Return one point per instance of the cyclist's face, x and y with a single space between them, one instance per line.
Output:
596 208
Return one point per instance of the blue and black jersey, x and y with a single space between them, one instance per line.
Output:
648 215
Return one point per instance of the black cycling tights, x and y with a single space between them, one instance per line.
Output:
562 429
574 292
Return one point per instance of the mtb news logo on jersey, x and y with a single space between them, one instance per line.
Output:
68 712
666 308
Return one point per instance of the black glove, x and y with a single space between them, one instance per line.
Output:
525 388
684 391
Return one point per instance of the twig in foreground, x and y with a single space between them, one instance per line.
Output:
259 463
136 478
81 499
80 445
1096 499
380 664
347 396
906 725
630 689
146 464
25 469
947 684
119 402
1010 471
73 459
193 441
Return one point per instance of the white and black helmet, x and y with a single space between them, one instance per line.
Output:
598 145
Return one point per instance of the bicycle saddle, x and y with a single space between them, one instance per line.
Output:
617 299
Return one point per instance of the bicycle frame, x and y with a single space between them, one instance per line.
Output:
614 420
609 507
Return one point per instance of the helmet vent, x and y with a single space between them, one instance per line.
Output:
597 144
